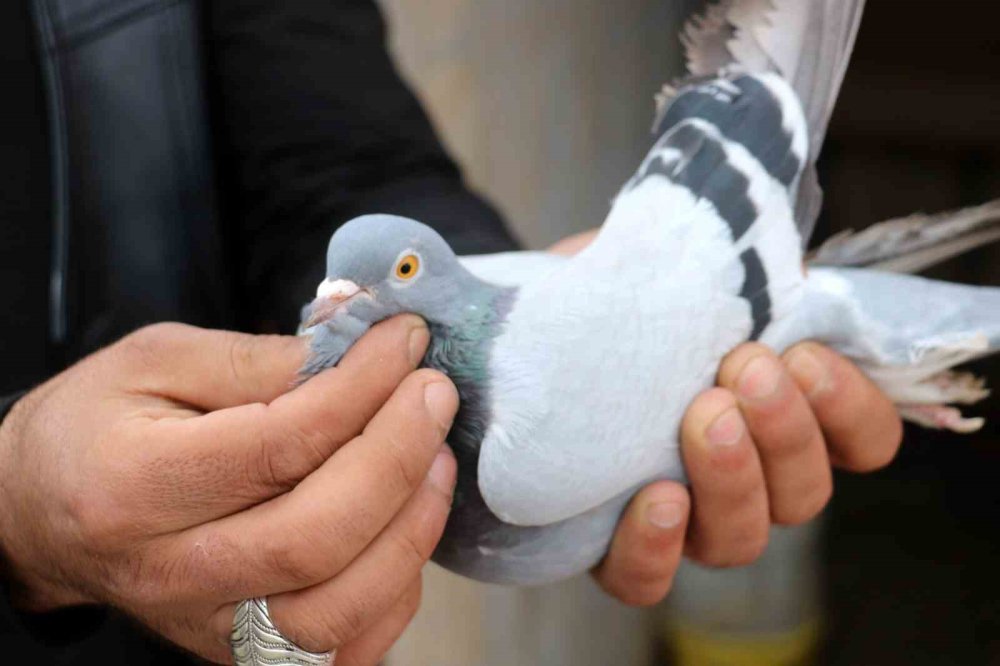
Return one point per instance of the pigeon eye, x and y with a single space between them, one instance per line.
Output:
407 267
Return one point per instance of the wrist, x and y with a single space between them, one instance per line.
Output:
21 567
48 625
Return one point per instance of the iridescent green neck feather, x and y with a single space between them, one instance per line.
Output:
461 349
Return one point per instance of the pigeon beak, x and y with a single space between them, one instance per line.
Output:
331 297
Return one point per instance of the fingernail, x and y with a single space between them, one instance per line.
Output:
665 515
419 338
759 379
440 400
809 372
726 429
442 471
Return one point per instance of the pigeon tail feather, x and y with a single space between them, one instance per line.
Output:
906 333
913 243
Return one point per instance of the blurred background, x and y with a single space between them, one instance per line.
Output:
547 107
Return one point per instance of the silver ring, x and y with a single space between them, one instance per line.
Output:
257 642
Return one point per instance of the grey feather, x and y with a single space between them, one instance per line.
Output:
705 39
911 244
808 41
905 332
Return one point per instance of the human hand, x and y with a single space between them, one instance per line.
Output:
175 473
758 450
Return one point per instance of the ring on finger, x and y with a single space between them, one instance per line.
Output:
257 642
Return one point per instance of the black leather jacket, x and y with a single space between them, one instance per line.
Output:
198 158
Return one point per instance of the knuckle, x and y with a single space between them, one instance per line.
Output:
339 624
146 348
282 459
783 444
294 560
100 520
750 551
733 362
637 587
868 461
737 553
151 339
644 595
399 463
803 509
789 439
110 502
268 469
143 580
868 452
647 574
313 631
158 332
242 350
246 352
412 548
210 566
714 559
299 446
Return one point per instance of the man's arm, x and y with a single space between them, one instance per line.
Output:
315 127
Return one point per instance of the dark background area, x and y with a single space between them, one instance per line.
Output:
912 554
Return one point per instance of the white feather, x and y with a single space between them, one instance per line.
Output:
610 324
648 309
511 269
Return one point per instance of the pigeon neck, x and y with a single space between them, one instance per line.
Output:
461 342
461 349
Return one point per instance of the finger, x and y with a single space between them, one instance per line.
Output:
729 515
789 442
862 427
309 534
211 639
640 565
208 369
336 612
369 648
219 463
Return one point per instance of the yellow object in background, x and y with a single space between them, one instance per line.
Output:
766 614
696 647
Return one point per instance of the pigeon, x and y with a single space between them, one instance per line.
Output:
574 372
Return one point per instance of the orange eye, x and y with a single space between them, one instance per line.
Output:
407 267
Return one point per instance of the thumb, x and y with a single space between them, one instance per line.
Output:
209 369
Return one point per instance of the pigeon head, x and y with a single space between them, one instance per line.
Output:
378 266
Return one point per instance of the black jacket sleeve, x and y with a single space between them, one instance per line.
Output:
316 127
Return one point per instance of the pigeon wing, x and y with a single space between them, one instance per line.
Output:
808 42
598 360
